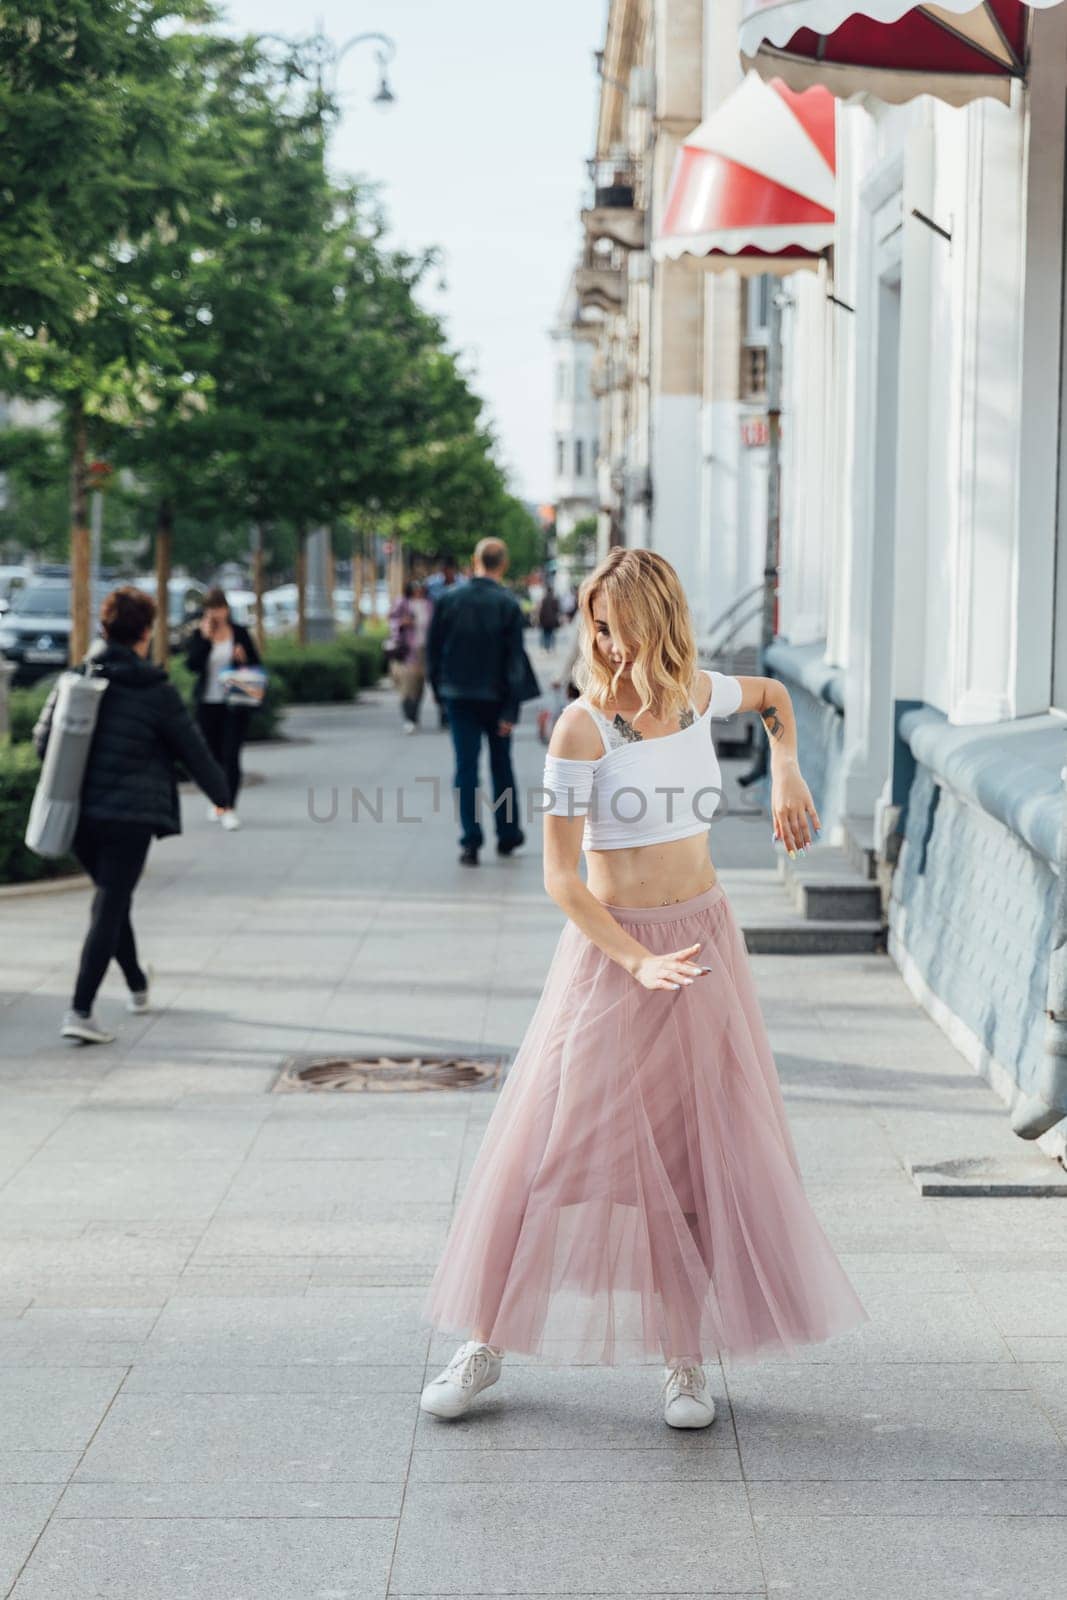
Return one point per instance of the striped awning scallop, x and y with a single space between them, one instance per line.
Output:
888 48
753 186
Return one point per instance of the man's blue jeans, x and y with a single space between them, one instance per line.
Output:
468 722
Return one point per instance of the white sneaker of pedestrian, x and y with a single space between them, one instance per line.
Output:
409 727
474 1367
214 813
686 1401
85 1029
139 1000
231 821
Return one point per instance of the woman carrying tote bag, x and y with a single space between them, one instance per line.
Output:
129 795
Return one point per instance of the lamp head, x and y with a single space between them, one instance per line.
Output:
384 96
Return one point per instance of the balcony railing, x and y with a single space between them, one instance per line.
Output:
615 213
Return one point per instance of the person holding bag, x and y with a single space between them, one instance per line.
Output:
217 647
129 794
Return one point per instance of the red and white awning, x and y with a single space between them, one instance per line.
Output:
890 48
753 187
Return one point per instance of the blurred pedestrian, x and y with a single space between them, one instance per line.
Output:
405 649
569 604
548 618
129 795
478 668
446 577
218 644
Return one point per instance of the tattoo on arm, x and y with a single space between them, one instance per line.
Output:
772 722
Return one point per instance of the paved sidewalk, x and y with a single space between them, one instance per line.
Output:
210 1347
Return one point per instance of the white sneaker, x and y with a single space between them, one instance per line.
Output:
214 813
139 1000
85 1029
409 727
231 821
474 1367
686 1401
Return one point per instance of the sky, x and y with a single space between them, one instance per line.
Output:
483 155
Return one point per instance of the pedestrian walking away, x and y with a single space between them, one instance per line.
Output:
478 668
218 644
129 795
637 1192
548 619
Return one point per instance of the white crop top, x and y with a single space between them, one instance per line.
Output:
644 791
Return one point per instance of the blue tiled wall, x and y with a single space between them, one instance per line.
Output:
973 904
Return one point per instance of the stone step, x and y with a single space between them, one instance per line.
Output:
770 927
825 887
805 938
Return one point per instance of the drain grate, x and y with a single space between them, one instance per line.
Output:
389 1074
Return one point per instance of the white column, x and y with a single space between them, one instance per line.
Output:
1039 410
868 718
988 252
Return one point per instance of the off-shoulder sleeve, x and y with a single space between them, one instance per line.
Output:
568 786
725 694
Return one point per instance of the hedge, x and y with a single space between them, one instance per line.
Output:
25 706
19 768
312 674
365 648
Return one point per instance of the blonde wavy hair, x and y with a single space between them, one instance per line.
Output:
649 617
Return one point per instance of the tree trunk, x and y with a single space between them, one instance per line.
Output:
301 587
257 585
164 546
357 579
80 597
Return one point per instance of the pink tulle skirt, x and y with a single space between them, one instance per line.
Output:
637 1191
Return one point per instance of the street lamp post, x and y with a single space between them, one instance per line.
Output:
321 59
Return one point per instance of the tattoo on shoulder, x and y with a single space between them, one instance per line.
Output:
772 722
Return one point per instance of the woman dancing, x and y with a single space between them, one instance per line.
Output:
637 1192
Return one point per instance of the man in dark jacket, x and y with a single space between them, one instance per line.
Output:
129 794
478 669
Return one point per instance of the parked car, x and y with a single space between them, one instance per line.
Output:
11 580
35 631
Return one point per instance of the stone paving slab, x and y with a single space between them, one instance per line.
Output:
209 1559
924 1557
251 1438
565 1539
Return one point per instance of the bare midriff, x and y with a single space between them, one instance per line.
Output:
651 874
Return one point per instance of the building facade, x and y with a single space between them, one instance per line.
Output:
575 431
922 598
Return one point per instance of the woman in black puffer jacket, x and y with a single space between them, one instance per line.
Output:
129 794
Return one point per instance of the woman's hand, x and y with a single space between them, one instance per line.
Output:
668 971
239 654
792 807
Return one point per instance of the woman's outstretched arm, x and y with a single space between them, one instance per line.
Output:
792 807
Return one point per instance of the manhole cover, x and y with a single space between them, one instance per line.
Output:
388 1074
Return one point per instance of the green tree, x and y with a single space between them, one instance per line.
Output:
92 98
